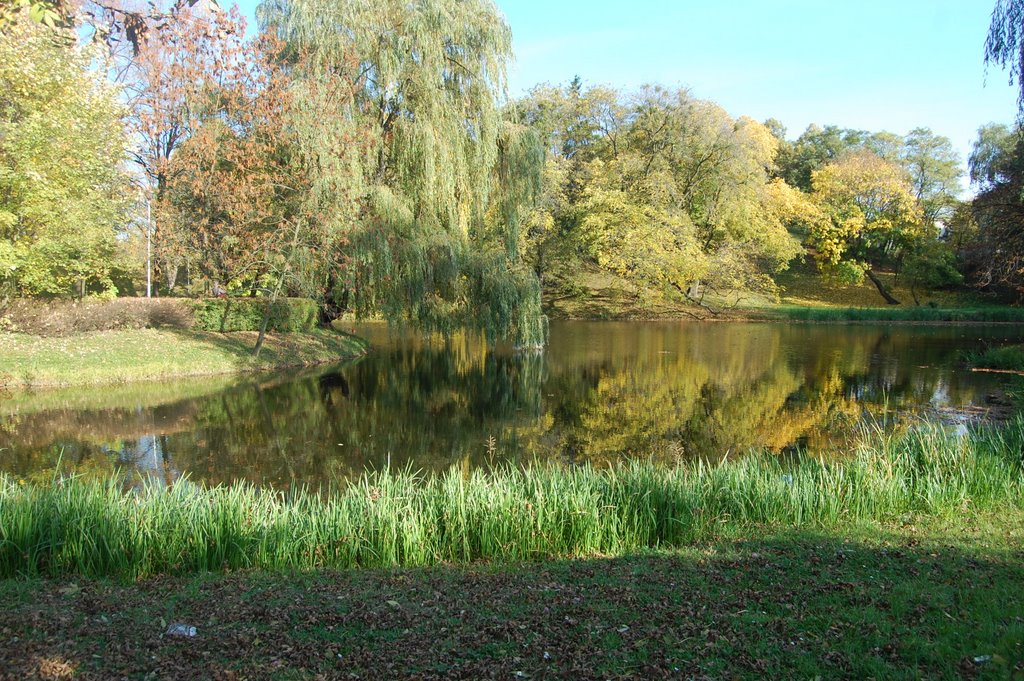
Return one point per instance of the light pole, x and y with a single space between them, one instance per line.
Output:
149 249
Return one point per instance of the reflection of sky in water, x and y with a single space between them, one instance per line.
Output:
601 391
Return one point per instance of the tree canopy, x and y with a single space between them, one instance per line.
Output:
868 214
63 190
441 174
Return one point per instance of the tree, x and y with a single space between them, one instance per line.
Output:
1004 45
180 78
989 163
815 148
576 126
438 223
997 167
934 168
667 192
869 215
62 144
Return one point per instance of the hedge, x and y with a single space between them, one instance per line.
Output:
246 314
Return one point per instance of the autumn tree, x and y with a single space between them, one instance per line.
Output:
183 76
62 145
665 191
869 216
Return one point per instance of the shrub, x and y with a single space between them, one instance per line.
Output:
65 318
246 314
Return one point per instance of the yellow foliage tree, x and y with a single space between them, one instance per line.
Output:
868 216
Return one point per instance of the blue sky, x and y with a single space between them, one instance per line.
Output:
871 64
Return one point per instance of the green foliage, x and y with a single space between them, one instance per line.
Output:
996 255
868 215
428 178
931 265
813 150
62 144
663 190
934 168
1004 45
990 154
88 528
287 315
1009 358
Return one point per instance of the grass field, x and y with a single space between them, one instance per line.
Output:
148 354
917 597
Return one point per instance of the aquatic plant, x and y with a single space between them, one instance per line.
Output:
95 528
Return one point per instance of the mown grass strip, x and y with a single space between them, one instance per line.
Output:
150 354
92 528
898 314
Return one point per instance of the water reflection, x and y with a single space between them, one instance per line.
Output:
601 392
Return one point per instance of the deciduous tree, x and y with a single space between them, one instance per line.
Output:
869 215
443 176
62 145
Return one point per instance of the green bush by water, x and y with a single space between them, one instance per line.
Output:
1008 358
287 315
81 527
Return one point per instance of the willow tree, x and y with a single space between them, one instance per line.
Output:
439 176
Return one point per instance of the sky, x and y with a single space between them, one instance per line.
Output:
871 64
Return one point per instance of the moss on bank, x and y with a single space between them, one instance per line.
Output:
147 354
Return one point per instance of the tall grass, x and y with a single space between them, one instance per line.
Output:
1010 357
90 528
899 314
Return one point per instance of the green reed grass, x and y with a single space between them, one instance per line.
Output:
91 528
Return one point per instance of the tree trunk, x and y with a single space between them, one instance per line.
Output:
881 288
263 327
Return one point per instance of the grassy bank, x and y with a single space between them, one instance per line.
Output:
975 315
147 354
921 597
89 528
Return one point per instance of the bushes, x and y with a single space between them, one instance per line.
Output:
246 314
66 318
1009 358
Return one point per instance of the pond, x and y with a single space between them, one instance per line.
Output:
602 391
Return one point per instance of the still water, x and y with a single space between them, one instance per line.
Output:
601 391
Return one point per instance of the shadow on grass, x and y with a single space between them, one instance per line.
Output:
280 350
790 605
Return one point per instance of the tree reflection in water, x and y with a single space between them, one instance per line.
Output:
601 392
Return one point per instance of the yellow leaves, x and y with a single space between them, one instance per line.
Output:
866 208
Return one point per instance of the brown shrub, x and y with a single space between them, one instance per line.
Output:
64 318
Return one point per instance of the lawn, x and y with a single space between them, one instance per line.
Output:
146 354
915 597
